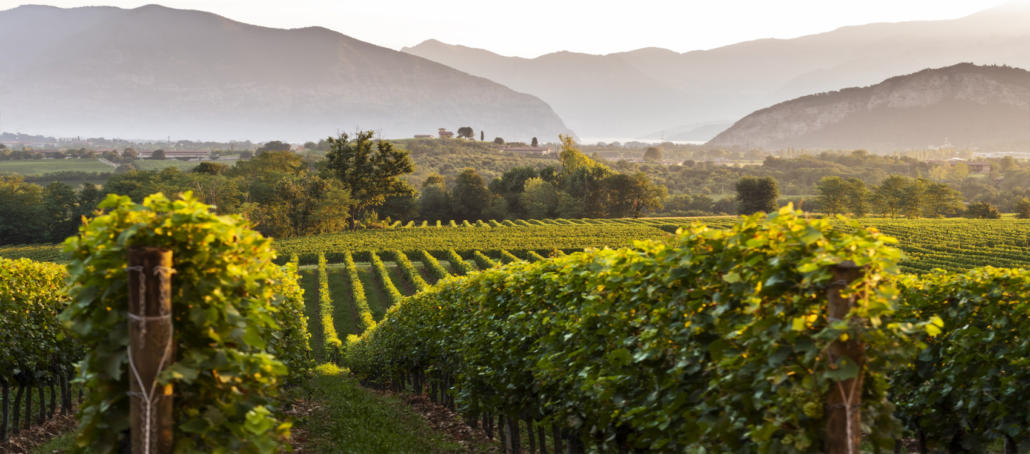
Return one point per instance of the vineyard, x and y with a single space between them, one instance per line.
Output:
949 244
705 338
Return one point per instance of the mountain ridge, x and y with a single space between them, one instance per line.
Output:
154 71
963 105
708 86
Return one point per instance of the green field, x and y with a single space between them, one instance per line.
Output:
36 167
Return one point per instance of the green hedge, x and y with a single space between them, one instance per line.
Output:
33 348
409 270
331 339
225 313
714 341
971 386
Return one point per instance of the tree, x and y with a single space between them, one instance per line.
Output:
1023 208
306 204
653 154
434 203
469 197
275 145
628 195
23 218
482 136
539 198
498 141
833 195
982 210
158 155
59 206
466 132
130 154
535 143
211 168
756 194
370 172
941 200
857 197
510 187
893 196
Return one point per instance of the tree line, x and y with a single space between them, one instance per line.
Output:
360 182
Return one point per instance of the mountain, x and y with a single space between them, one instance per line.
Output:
964 105
636 93
153 72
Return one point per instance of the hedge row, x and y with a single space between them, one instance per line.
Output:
365 319
714 341
409 270
330 339
379 268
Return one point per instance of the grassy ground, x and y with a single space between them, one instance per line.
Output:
348 418
62 443
378 302
309 282
399 279
345 315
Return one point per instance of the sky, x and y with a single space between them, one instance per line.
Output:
529 28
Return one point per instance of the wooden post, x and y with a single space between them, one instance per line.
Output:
151 349
6 411
844 399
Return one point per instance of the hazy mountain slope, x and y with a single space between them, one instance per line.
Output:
153 72
670 89
964 105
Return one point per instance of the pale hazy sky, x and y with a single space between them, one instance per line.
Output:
530 28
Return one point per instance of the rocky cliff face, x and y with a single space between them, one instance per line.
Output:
153 72
963 105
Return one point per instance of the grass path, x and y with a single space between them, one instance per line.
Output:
309 282
345 417
378 302
345 315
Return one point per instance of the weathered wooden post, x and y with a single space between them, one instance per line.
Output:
151 349
844 399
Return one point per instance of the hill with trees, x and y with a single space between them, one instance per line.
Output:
153 72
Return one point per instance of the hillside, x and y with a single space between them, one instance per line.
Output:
154 72
963 105
660 93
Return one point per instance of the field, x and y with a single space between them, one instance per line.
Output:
36 167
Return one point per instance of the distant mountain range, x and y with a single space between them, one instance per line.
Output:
153 72
963 105
689 96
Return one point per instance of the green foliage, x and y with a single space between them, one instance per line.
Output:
469 197
1023 208
331 340
291 342
409 270
969 387
360 301
714 341
224 313
33 347
982 210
